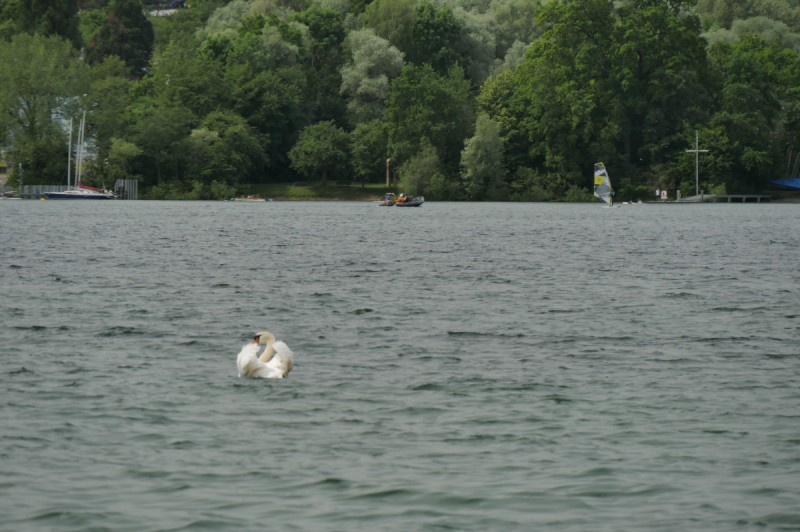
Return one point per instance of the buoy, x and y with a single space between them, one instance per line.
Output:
42 199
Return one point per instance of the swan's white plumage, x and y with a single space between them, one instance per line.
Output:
277 367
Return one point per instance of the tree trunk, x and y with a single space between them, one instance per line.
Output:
324 176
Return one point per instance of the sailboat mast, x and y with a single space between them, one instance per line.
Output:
69 155
82 141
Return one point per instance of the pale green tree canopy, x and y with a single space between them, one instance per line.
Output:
365 80
42 81
482 160
320 148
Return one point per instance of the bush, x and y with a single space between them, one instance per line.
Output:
577 194
194 190
530 185
423 175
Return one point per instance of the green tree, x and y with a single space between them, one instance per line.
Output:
120 156
107 100
49 17
424 105
320 148
753 118
34 97
224 148
274 103
482 162
325 58
435 33
613 84
515 20
424 175
8 26
126 33
159 128
366 78
369 150
392 20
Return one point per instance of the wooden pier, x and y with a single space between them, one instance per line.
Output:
716 198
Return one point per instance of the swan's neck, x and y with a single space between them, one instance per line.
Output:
268 352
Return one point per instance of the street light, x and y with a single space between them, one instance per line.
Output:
697 153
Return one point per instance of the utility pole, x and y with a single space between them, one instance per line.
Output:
697 153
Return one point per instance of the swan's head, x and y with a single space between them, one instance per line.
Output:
264 338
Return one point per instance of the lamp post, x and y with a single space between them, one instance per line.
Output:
697 153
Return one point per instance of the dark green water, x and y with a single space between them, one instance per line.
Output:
482 367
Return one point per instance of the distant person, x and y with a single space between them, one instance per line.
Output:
658 193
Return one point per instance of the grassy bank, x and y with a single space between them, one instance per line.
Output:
315 191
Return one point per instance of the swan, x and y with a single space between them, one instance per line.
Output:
274 363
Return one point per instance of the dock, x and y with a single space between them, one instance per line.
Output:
716 198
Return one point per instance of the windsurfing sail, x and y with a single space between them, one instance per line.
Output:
602 184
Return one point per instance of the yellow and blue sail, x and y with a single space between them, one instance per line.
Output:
602 183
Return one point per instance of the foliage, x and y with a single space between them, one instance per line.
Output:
516 21
320 148
435 33
482 162
392 20
124 32
424 105
192 190
606 84
34 98
369 148
423 175
225 91
577 194
120 155
366 79
49 18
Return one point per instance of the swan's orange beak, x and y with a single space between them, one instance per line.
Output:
255 341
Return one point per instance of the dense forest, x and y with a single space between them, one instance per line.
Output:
470 99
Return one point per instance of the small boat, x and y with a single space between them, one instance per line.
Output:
248 199
403 201
388 201
410 201
80 191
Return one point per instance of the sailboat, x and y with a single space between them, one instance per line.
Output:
79 191
602 185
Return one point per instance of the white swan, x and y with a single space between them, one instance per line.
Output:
274 363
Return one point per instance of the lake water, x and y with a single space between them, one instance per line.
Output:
483 367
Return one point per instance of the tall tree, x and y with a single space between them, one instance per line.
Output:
366 78
424 105
126 33
482 161
321 148
50 17
34 98
609 83
435 34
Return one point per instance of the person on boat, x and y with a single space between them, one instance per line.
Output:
611 197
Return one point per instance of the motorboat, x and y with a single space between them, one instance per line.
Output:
410 201
392 200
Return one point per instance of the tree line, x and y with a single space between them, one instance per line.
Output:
469 99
